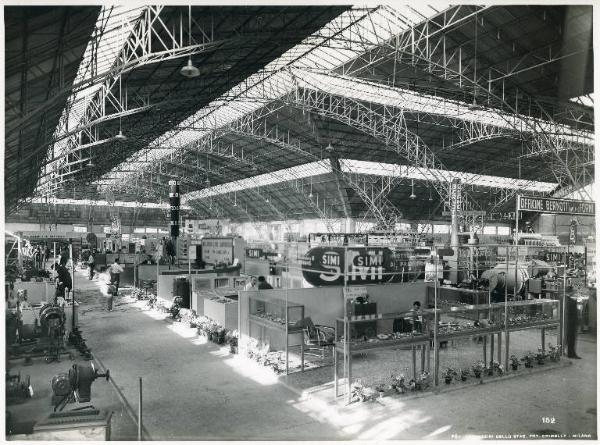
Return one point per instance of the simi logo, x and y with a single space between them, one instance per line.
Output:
324 266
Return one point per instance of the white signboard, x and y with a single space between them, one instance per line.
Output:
352 292
217 250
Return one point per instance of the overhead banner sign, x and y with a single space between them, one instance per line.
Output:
557 206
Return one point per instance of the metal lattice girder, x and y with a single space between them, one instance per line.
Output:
544 129
293 183
84 112
347 36
383 211
150 41
475 122
384 123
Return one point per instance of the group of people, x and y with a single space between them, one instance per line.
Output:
253 284
41 254
115 270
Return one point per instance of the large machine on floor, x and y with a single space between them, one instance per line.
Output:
75 385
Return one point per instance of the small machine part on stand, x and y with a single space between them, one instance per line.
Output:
76 385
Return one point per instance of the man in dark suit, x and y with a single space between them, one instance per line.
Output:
571 320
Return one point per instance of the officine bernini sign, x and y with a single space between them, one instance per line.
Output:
553 205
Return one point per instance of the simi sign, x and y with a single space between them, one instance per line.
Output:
324 266
557 206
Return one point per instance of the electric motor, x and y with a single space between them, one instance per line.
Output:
61 385
52 317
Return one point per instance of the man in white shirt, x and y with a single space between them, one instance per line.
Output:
251 285
115 270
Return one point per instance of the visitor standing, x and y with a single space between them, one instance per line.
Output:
262 283
115 270
91 263
64 281
572 321
251 285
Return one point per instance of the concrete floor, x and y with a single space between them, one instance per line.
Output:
195 390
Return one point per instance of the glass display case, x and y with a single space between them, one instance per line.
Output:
467 320
275 313
402 330
532 313
455 296
277 318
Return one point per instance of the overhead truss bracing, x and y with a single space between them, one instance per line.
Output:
425 46
484 105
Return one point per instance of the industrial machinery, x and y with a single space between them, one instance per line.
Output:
75 385
17 388
39 333
516 279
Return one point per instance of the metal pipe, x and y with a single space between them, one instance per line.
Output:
139 419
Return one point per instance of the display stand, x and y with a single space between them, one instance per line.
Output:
347 346
279 316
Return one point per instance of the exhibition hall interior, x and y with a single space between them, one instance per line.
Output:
299 222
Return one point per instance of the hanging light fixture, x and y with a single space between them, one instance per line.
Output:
310 195
430 197
235 199
91 160
190 70
412 186
206 180
120 136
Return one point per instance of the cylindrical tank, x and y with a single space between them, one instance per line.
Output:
514 277
181 288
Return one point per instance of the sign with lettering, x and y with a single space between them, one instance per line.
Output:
325 266
353 292
253 252
217 250
557 206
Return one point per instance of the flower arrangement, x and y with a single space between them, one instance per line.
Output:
361 393
188 316
422 382
495 367
232 338
478 369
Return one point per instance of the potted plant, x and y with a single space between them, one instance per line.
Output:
528 360
380 389
232 340
220 337
540 357
463 373
478 369
423 381
399 383
448 375
514 362
554 352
